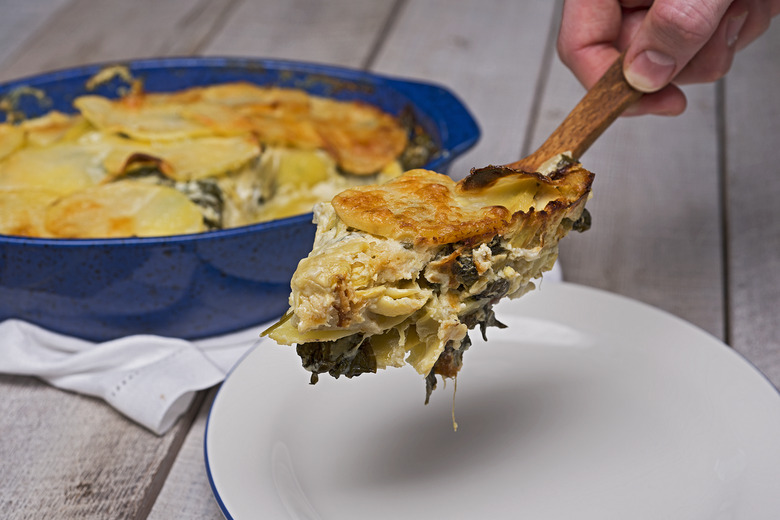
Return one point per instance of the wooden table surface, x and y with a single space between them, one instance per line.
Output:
686 212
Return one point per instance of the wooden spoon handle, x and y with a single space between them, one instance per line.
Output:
600 106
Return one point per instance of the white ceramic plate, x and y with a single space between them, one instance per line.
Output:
588 406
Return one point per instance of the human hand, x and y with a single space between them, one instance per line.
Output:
679 41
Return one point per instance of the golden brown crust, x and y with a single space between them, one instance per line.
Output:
420 206
361 138
424 207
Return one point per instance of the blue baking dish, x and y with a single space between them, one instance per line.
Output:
206 284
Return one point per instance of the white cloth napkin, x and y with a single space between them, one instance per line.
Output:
150 379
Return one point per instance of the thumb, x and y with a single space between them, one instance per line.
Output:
672 32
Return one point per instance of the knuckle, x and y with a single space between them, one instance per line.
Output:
685 22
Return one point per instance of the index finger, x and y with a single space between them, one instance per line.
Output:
588 32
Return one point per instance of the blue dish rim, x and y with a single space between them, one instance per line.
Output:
459 129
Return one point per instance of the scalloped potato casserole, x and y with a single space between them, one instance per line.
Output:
400 272
150 164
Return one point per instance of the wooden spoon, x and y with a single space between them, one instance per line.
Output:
600 106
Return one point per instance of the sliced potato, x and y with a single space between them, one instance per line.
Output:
140 121
123 209
22 211
62 168
11 139
183 159
54 127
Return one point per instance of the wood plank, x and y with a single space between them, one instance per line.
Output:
187 493
338 32
752 193
489 53
64 455
656 231
21 22
92 31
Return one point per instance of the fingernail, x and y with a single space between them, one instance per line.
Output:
733 27
650 71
